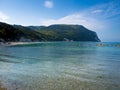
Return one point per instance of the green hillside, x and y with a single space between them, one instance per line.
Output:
51 33
68 32
17 33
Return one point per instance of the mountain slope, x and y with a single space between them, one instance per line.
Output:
16 33
69 32
50 33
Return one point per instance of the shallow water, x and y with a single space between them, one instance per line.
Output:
61 66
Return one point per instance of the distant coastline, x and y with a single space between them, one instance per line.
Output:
75 43
14 43
61 32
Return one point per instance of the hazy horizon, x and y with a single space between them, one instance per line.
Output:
99 16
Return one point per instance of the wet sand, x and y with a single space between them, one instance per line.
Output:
60 84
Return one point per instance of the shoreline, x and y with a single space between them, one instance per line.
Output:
13 43
17 43
101 44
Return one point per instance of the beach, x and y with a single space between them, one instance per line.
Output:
14 43
53 83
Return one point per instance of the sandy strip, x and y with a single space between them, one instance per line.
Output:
18 43
15 43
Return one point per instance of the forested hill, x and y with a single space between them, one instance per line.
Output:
42 33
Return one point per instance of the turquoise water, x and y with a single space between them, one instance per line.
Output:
61 66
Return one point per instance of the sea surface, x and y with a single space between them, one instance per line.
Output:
61 66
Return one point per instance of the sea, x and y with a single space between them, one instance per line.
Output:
60 66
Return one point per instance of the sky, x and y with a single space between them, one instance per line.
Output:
101 16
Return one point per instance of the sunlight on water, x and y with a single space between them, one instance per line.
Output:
61 66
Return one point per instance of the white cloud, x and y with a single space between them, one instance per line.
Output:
3 17
79 19
48 4
97 11
106 10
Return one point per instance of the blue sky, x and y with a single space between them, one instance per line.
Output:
101 16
